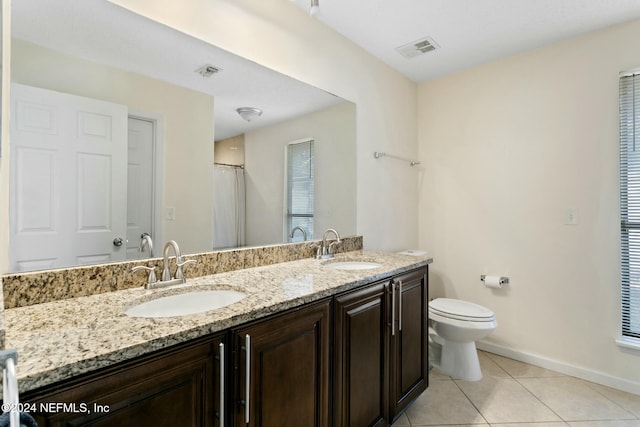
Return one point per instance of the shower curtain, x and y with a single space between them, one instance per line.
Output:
228 206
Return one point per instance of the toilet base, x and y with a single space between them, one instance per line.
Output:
456 359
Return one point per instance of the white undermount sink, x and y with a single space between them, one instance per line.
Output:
352 265
183 304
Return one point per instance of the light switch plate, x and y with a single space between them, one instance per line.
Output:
170 214
571 216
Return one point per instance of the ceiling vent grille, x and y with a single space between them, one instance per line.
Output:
208 70
418 47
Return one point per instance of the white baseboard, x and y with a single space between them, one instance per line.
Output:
562 367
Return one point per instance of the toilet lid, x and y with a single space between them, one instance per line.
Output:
458 309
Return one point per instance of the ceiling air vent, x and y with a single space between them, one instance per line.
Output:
418 47
207 70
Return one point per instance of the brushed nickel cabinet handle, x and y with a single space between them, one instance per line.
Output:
247 380
221 350
399 305
393 308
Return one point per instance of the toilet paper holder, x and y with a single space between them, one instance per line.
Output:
503 280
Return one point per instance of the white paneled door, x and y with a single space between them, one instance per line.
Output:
68 180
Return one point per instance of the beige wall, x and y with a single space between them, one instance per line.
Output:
281 36
230 151
507 148
188 130
333 132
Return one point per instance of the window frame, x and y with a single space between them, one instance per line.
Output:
629 138
288 215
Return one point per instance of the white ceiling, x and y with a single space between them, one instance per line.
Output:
468 32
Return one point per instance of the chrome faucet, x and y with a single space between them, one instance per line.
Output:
326 251
166 273
146 242
302 230
167 279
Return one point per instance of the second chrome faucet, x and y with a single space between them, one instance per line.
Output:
325 250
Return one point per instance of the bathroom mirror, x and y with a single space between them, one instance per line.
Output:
186 92
2 41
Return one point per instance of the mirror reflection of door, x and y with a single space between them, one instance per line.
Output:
67 151
140 186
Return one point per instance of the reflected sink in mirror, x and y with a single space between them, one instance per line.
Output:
352 265
189 302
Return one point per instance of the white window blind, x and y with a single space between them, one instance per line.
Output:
630 203
300 184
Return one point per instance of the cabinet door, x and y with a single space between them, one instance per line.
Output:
283 365
360 374
409 347
175 387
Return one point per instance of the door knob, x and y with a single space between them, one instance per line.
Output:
118 241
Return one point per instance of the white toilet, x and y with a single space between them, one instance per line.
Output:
454 327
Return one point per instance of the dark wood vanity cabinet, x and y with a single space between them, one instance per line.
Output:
361 364
380 348
282 367
353 360
408 359
174 387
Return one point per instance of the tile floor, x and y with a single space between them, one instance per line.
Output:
515 394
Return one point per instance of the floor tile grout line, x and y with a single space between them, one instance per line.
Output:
586 383
495 362
505 373
525 423
540 400
525 388
589 384
470 401
511 376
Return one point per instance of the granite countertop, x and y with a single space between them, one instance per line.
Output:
61 339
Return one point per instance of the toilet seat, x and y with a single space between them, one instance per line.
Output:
460 310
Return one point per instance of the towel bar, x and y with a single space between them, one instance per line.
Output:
379 154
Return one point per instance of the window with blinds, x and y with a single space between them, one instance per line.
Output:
630 202
300 185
